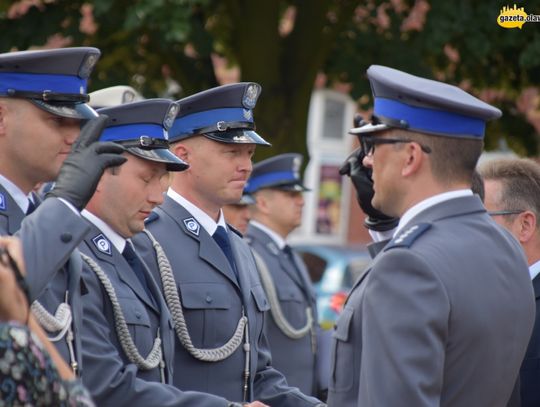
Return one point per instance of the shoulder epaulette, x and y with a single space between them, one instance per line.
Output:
408 236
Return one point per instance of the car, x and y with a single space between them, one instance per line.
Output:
333 270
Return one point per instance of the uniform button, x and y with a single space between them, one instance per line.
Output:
138 314
208 299
66 237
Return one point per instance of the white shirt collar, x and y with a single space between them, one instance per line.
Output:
209 224
18 196
429 202
278 240
118 241
534 269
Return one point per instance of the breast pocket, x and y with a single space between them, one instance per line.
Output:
293 305
138 323
342 353
207 310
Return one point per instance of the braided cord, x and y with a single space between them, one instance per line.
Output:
275 307
180 326
154 357
59 322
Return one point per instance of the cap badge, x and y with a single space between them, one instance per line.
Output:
2 202
192 225
250 96
171 116
88 65
102 244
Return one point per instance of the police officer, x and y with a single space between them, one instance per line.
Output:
127 336
207 271
42 107
238 214
429 323
292 330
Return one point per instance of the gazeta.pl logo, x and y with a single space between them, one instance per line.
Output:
515 17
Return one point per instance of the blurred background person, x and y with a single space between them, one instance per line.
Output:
238 215
292 330
513 200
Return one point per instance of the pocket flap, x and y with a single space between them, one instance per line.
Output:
134 312
289 294
204 296
343 324
260 298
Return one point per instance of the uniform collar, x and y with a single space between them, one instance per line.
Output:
118 241
18 196
278 240
534 269
428 203
209 224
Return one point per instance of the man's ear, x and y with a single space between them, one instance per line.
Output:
181 150
414 159
527 226
3 118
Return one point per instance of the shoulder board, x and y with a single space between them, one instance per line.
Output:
152 217
235 230
408 236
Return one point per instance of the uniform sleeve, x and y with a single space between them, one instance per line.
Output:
110 381
49 235
404 329
270 385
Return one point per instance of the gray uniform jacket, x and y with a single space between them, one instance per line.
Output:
292 357
212 300
441 318
109 375
49 237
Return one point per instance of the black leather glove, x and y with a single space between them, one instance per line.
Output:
84 166
361 179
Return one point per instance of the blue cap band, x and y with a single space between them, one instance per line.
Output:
196 121
273 178
429 120
133 132
32 82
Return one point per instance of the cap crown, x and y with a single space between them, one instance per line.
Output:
278 172
224 114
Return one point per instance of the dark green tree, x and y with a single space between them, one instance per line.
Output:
285 44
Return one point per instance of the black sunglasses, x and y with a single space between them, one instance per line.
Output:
506 212
368 143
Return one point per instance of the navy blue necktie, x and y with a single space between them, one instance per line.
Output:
31 207
222 239
290 255
137 266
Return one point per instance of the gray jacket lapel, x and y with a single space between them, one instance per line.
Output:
115 261
209 250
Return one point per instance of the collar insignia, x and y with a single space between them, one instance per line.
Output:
102 244
192 225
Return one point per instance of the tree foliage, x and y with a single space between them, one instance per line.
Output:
285 44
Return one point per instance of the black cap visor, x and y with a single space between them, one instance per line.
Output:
160 155
80 111
237 136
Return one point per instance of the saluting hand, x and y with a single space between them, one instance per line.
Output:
83 168
361 179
